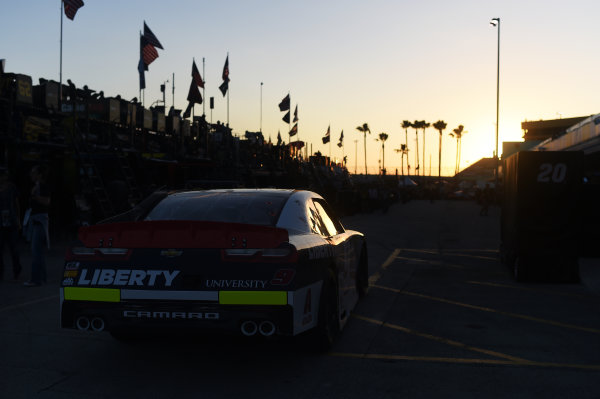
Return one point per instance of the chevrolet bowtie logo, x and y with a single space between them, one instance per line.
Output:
170 253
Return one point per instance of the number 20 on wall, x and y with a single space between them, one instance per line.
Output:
550 173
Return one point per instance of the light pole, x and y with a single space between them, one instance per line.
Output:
261 103
496 22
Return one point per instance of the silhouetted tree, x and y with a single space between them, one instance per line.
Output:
383 137
425 125
402 150
364 129
457 133
405 126
417 125
440 126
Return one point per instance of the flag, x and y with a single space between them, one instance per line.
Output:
286 117
196 75
188 110
296 114
284 105
225 85
327 136
148 52
194 95
294 130
226 69
71 7
151 37
141 69
278 138
341 142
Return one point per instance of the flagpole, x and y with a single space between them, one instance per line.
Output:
173 91
261 102
61 45
204 91
142 90
329 131
290 118
290 121
193 103
228 90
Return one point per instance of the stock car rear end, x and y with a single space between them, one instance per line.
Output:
251 262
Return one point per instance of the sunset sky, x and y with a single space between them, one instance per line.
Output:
343 62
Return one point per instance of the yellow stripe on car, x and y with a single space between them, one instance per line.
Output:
253 297
92 294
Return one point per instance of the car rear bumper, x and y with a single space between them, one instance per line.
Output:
173 316
249 313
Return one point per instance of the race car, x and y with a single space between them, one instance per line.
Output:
257 262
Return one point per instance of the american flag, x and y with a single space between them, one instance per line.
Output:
152 39
149 53
71 7
196 75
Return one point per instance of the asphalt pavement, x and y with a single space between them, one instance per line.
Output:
442 318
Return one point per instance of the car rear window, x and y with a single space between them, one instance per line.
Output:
232 207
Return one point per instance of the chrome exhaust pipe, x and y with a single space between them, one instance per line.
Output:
97 324
266 328
82 323
249 328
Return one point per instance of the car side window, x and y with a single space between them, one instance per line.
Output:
316 223
332 227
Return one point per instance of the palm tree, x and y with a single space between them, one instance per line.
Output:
364 129
403 150
439 126
405 126
425 125
383 137
417 125
457 133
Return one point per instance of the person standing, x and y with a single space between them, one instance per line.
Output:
11 223
38 222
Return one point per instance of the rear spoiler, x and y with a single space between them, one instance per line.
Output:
181 234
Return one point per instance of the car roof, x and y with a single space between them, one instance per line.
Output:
256 191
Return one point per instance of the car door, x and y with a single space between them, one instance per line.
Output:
344 257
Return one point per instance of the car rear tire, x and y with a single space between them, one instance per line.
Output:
328 326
